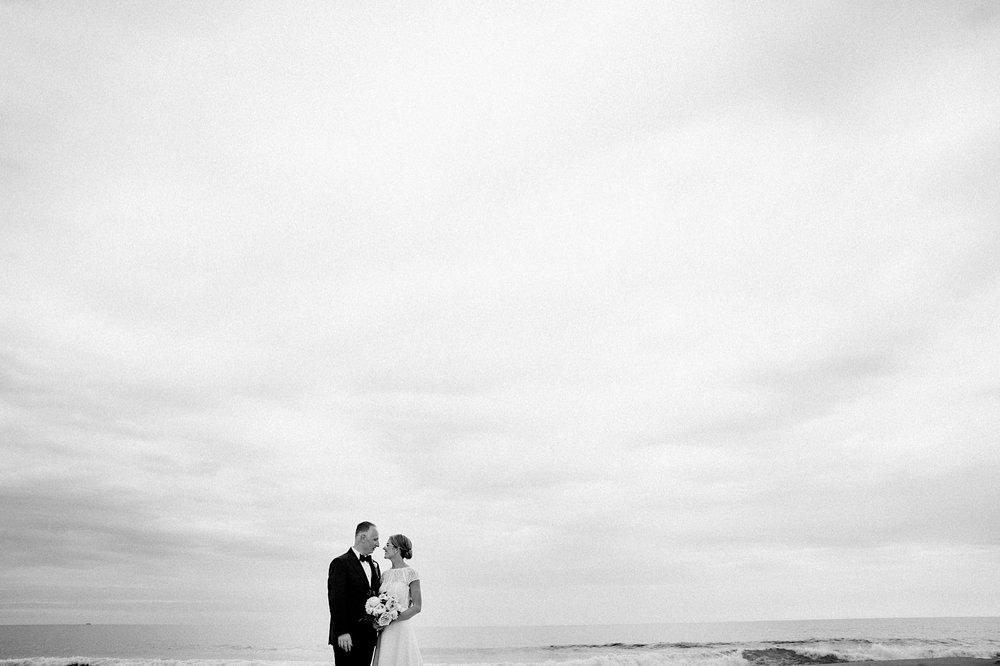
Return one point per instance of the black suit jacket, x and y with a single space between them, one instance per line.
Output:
347 590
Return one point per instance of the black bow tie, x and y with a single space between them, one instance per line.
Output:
366 558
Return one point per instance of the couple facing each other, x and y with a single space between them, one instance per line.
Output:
355 577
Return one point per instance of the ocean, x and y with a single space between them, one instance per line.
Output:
710 644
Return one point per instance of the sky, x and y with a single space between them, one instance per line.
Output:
622 312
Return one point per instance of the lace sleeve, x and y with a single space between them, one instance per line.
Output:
411 575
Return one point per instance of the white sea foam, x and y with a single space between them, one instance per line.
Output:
899 649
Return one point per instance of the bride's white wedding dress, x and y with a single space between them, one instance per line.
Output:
397 644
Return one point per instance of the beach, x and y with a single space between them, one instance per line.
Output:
886 642
934 661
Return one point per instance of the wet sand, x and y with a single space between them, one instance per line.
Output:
935 661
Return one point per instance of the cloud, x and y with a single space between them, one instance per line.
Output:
569 296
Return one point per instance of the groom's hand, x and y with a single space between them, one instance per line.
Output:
344 641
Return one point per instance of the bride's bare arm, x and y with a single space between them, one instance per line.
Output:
414 602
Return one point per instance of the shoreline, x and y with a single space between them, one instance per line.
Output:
928 661
93 661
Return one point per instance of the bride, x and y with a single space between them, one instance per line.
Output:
397 644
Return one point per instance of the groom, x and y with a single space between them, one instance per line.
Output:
353 578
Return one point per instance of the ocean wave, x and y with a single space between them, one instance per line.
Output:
784 653
768 653
881 650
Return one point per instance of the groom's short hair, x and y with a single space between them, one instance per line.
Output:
363 527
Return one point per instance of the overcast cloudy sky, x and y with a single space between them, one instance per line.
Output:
693 301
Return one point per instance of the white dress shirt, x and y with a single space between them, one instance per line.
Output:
364 565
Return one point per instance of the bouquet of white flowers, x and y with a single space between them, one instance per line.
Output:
384 609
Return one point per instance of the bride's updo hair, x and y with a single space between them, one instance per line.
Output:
403 544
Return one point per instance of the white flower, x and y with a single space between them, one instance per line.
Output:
384 609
